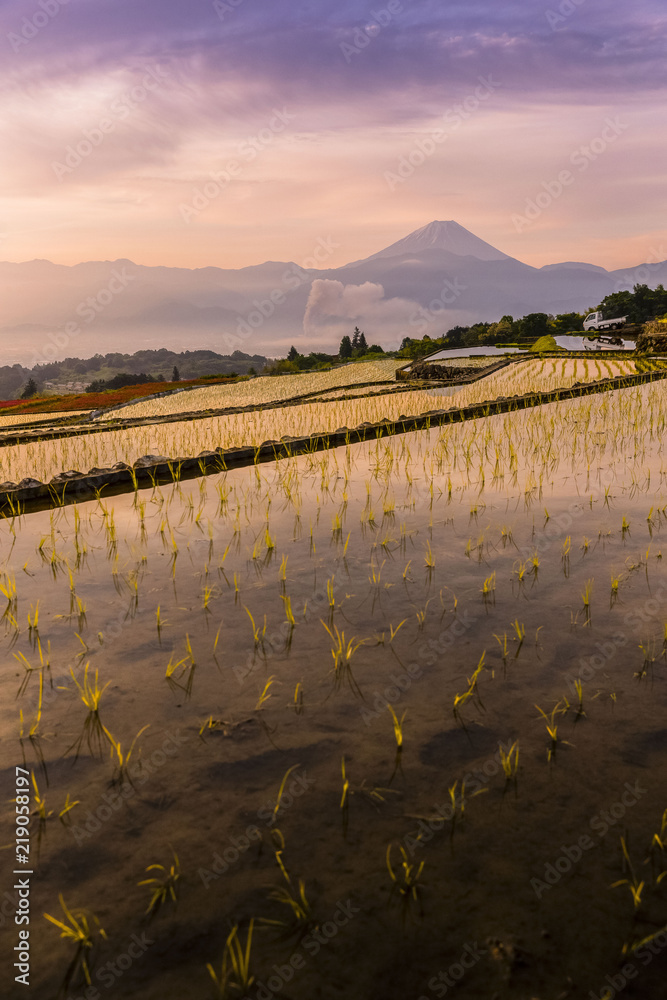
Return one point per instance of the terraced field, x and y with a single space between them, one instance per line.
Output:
16 419
266 389
326 726
540 375
43 459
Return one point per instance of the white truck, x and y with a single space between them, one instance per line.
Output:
594 321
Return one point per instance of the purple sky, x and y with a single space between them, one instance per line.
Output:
193 133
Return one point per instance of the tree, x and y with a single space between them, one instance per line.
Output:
361 343
639 305
533 326
455 336
480 332
501 332
567 322
30 389
355 338
292 353
345 349
175 376
119 381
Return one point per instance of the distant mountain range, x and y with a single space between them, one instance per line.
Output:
438 277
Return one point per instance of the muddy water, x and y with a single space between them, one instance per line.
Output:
514 897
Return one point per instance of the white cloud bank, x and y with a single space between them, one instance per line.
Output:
334 309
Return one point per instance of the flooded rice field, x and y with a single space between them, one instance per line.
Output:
387 721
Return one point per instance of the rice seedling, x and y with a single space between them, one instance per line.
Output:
586 599
132 582
206 596
331 600
159 622
504 649
40 811
519 635
122 759
344 801
211 725
234 976
33 732
191 665
342 653
421 614
565 555
398 727
461 699
90 693
288 611
290 895
657 850
173 667
653 941
374 795
81 614
298 698
28 672
162 887
506 536
81 930
649 653
509 761
615 583
552 727
579 688
405 880
393 632
281 791
265 693
9 592
429 559
65 811
634 885
258 636
375 578
489 587
33 621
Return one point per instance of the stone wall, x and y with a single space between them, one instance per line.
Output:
653 337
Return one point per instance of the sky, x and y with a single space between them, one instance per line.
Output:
193 133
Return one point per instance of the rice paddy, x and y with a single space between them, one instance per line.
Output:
16 419
43 459
332 725
266 389
541 375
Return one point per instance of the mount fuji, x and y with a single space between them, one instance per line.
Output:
449 236
437 277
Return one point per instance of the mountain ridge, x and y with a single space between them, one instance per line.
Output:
437 277
437 235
